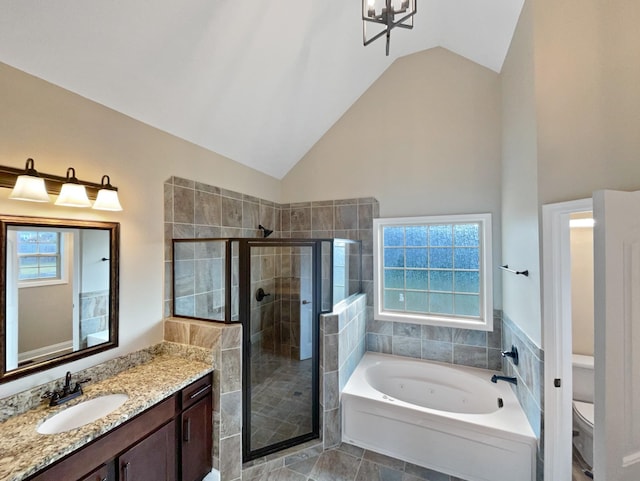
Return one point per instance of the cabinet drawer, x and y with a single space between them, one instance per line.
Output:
196 391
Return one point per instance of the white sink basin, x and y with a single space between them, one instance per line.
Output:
84 413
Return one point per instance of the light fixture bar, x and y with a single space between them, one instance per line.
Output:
9 175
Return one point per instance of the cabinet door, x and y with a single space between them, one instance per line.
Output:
196 440
101 474
152 459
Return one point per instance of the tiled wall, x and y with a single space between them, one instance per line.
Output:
343 344
94 313
444 344
530 374
224 341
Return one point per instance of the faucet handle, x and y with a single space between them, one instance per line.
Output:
78 387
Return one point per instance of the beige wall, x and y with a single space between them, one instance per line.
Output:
520 235
423 140
46 316
588 100
60 129
582 290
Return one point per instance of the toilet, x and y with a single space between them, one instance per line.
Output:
583 392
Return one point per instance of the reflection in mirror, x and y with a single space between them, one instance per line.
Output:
59 291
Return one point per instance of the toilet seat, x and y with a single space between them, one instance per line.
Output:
584 411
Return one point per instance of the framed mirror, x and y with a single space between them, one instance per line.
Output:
58 292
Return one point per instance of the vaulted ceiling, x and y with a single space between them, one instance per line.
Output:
258 81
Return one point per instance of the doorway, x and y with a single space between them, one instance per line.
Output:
280 303
558 336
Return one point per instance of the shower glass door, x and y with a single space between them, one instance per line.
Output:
280 326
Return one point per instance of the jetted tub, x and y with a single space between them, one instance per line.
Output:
452 419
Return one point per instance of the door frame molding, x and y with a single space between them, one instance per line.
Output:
557 336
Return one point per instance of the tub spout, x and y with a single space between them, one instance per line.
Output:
496 378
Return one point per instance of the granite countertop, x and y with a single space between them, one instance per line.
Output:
23 451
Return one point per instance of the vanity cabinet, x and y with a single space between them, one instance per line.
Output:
152 459
170 441
196 439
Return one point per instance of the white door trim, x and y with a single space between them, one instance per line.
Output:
556 302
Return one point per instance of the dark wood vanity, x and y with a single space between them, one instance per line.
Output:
171 441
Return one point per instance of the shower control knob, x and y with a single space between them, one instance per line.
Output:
260 294
306 302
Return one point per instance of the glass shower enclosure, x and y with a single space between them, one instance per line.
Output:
276 288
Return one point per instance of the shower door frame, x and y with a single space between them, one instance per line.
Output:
245 294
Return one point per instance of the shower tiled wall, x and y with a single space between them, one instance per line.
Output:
530 374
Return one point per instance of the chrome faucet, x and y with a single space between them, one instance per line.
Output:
495 378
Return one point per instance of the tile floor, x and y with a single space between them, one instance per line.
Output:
345 463
281 399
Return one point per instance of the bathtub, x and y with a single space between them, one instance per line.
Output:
448 418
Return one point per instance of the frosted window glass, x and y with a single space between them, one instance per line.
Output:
441 280
467 305
416 257
393 236
441 257
417 279
467 258
417 301
394 300
338 275
440 235
394 257
467 281
467 235
416 236
441 303
394 278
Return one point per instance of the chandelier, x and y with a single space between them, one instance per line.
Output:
386 15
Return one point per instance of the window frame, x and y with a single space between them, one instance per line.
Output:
64 246
485 321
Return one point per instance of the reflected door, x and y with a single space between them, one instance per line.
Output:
280 372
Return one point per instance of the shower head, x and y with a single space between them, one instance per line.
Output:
267 232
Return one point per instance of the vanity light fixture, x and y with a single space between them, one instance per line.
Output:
30 186
73 193
27 184
107 196
385 15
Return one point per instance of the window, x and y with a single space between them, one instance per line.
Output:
39 255
434 270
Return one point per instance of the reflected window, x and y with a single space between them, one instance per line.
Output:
39 255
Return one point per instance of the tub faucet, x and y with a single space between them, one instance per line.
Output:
495 378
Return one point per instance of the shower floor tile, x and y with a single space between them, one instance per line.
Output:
281 399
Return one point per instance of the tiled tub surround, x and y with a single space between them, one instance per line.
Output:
147 377
342 335
444 344
94 313
530 374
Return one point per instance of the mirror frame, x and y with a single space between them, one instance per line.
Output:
114 235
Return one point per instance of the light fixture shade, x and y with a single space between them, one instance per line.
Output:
73 195
31 188
107 196
107 200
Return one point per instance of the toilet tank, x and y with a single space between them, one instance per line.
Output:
583 378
